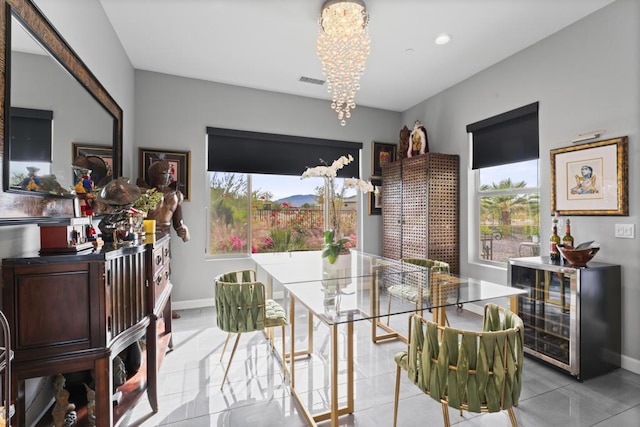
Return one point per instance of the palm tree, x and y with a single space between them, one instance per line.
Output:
503 205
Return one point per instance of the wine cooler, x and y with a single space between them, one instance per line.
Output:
571 314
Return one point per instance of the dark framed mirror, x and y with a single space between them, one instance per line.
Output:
82 113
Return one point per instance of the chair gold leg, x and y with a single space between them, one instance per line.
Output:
284 359
396 397
233 352
512 417
445 414
225 346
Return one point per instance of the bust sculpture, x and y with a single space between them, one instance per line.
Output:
418 143
169 211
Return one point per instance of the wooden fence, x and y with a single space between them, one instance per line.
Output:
299 217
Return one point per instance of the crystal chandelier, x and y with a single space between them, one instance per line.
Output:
343 47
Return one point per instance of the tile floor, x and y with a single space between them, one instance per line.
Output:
255 394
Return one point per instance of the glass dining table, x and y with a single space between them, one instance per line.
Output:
371 288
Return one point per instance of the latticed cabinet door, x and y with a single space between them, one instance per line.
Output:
443 233
414 207
392 210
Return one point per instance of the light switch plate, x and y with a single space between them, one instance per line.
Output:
625 231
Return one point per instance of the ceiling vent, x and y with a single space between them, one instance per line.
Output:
312 80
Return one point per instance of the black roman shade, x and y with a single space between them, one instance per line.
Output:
265 153
509 137
31 135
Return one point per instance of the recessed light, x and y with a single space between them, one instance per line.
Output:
409 51
443 38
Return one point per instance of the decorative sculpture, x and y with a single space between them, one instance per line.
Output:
169 211
404 142
32 181
418 143
62 406
91 406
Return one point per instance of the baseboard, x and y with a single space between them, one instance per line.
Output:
195 303
207 302
630 364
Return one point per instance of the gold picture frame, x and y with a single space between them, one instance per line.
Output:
180 162
591 178
382 154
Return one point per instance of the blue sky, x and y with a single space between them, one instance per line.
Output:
523 171
284 186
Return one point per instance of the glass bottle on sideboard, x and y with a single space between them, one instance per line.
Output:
567 239
571 315
554 241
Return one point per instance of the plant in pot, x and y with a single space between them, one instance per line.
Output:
335 243
147 202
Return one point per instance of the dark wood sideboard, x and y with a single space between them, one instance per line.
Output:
76 312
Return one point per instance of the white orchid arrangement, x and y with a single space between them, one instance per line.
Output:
334 242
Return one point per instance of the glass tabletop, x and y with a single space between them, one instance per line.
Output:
371 286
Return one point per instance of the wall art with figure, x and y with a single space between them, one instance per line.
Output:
591 178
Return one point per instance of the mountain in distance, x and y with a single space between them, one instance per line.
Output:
298 200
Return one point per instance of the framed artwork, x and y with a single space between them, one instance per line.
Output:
99 160
382 154
591 178
375 200
179 167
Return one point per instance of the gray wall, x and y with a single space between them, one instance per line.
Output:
585 78
172 113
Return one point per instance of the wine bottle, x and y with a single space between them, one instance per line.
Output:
554 241
567 239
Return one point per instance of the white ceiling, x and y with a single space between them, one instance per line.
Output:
270 44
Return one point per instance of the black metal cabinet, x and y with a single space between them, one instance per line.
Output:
572 315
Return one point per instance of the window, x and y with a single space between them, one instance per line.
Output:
505 157
508 200
284 213
258 203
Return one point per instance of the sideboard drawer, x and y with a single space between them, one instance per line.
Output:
158 260
160 281
160 272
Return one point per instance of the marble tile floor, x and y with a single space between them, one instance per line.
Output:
256 395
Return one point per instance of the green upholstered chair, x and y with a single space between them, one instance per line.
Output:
411 292
241 306
472 371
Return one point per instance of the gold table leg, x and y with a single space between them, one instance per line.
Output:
335 412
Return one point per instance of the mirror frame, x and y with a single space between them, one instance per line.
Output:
40 208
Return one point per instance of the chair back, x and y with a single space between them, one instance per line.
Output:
474 371
432 264
240 302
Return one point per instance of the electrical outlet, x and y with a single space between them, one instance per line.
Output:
625 231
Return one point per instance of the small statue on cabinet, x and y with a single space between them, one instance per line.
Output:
418 143
62 407
84 189
168 212
91 406
404 142
32 181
